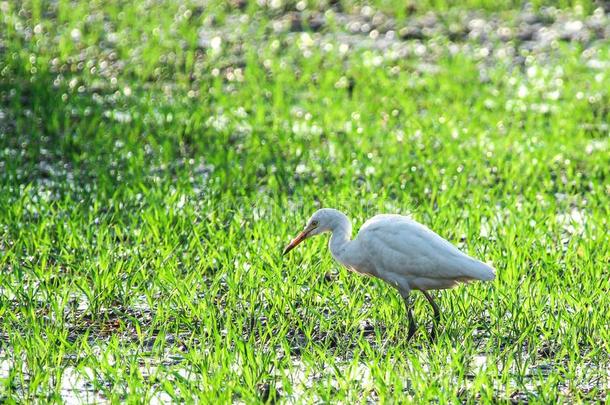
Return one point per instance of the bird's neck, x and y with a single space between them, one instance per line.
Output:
341 235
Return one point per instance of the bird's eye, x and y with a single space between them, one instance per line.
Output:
314 223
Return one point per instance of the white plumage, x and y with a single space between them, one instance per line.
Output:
398 250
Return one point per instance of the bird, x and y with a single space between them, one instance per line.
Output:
398 250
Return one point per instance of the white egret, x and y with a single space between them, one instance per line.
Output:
398 250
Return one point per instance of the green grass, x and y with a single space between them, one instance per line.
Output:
148 184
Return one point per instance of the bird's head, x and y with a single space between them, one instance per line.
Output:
321 221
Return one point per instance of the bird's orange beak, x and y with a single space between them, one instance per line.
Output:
300 238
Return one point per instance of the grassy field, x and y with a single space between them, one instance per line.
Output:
155 158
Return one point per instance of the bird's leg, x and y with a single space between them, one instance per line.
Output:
412 325
437 313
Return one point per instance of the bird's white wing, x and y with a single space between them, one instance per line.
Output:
407 248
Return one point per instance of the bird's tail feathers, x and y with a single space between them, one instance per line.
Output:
481 271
